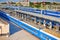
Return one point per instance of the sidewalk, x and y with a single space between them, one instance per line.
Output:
22 35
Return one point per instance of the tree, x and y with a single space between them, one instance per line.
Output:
31 4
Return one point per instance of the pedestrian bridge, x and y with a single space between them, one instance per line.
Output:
36 32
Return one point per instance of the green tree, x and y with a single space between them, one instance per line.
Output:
31 4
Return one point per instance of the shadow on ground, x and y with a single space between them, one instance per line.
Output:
14 29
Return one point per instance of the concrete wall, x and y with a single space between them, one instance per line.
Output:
4 27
